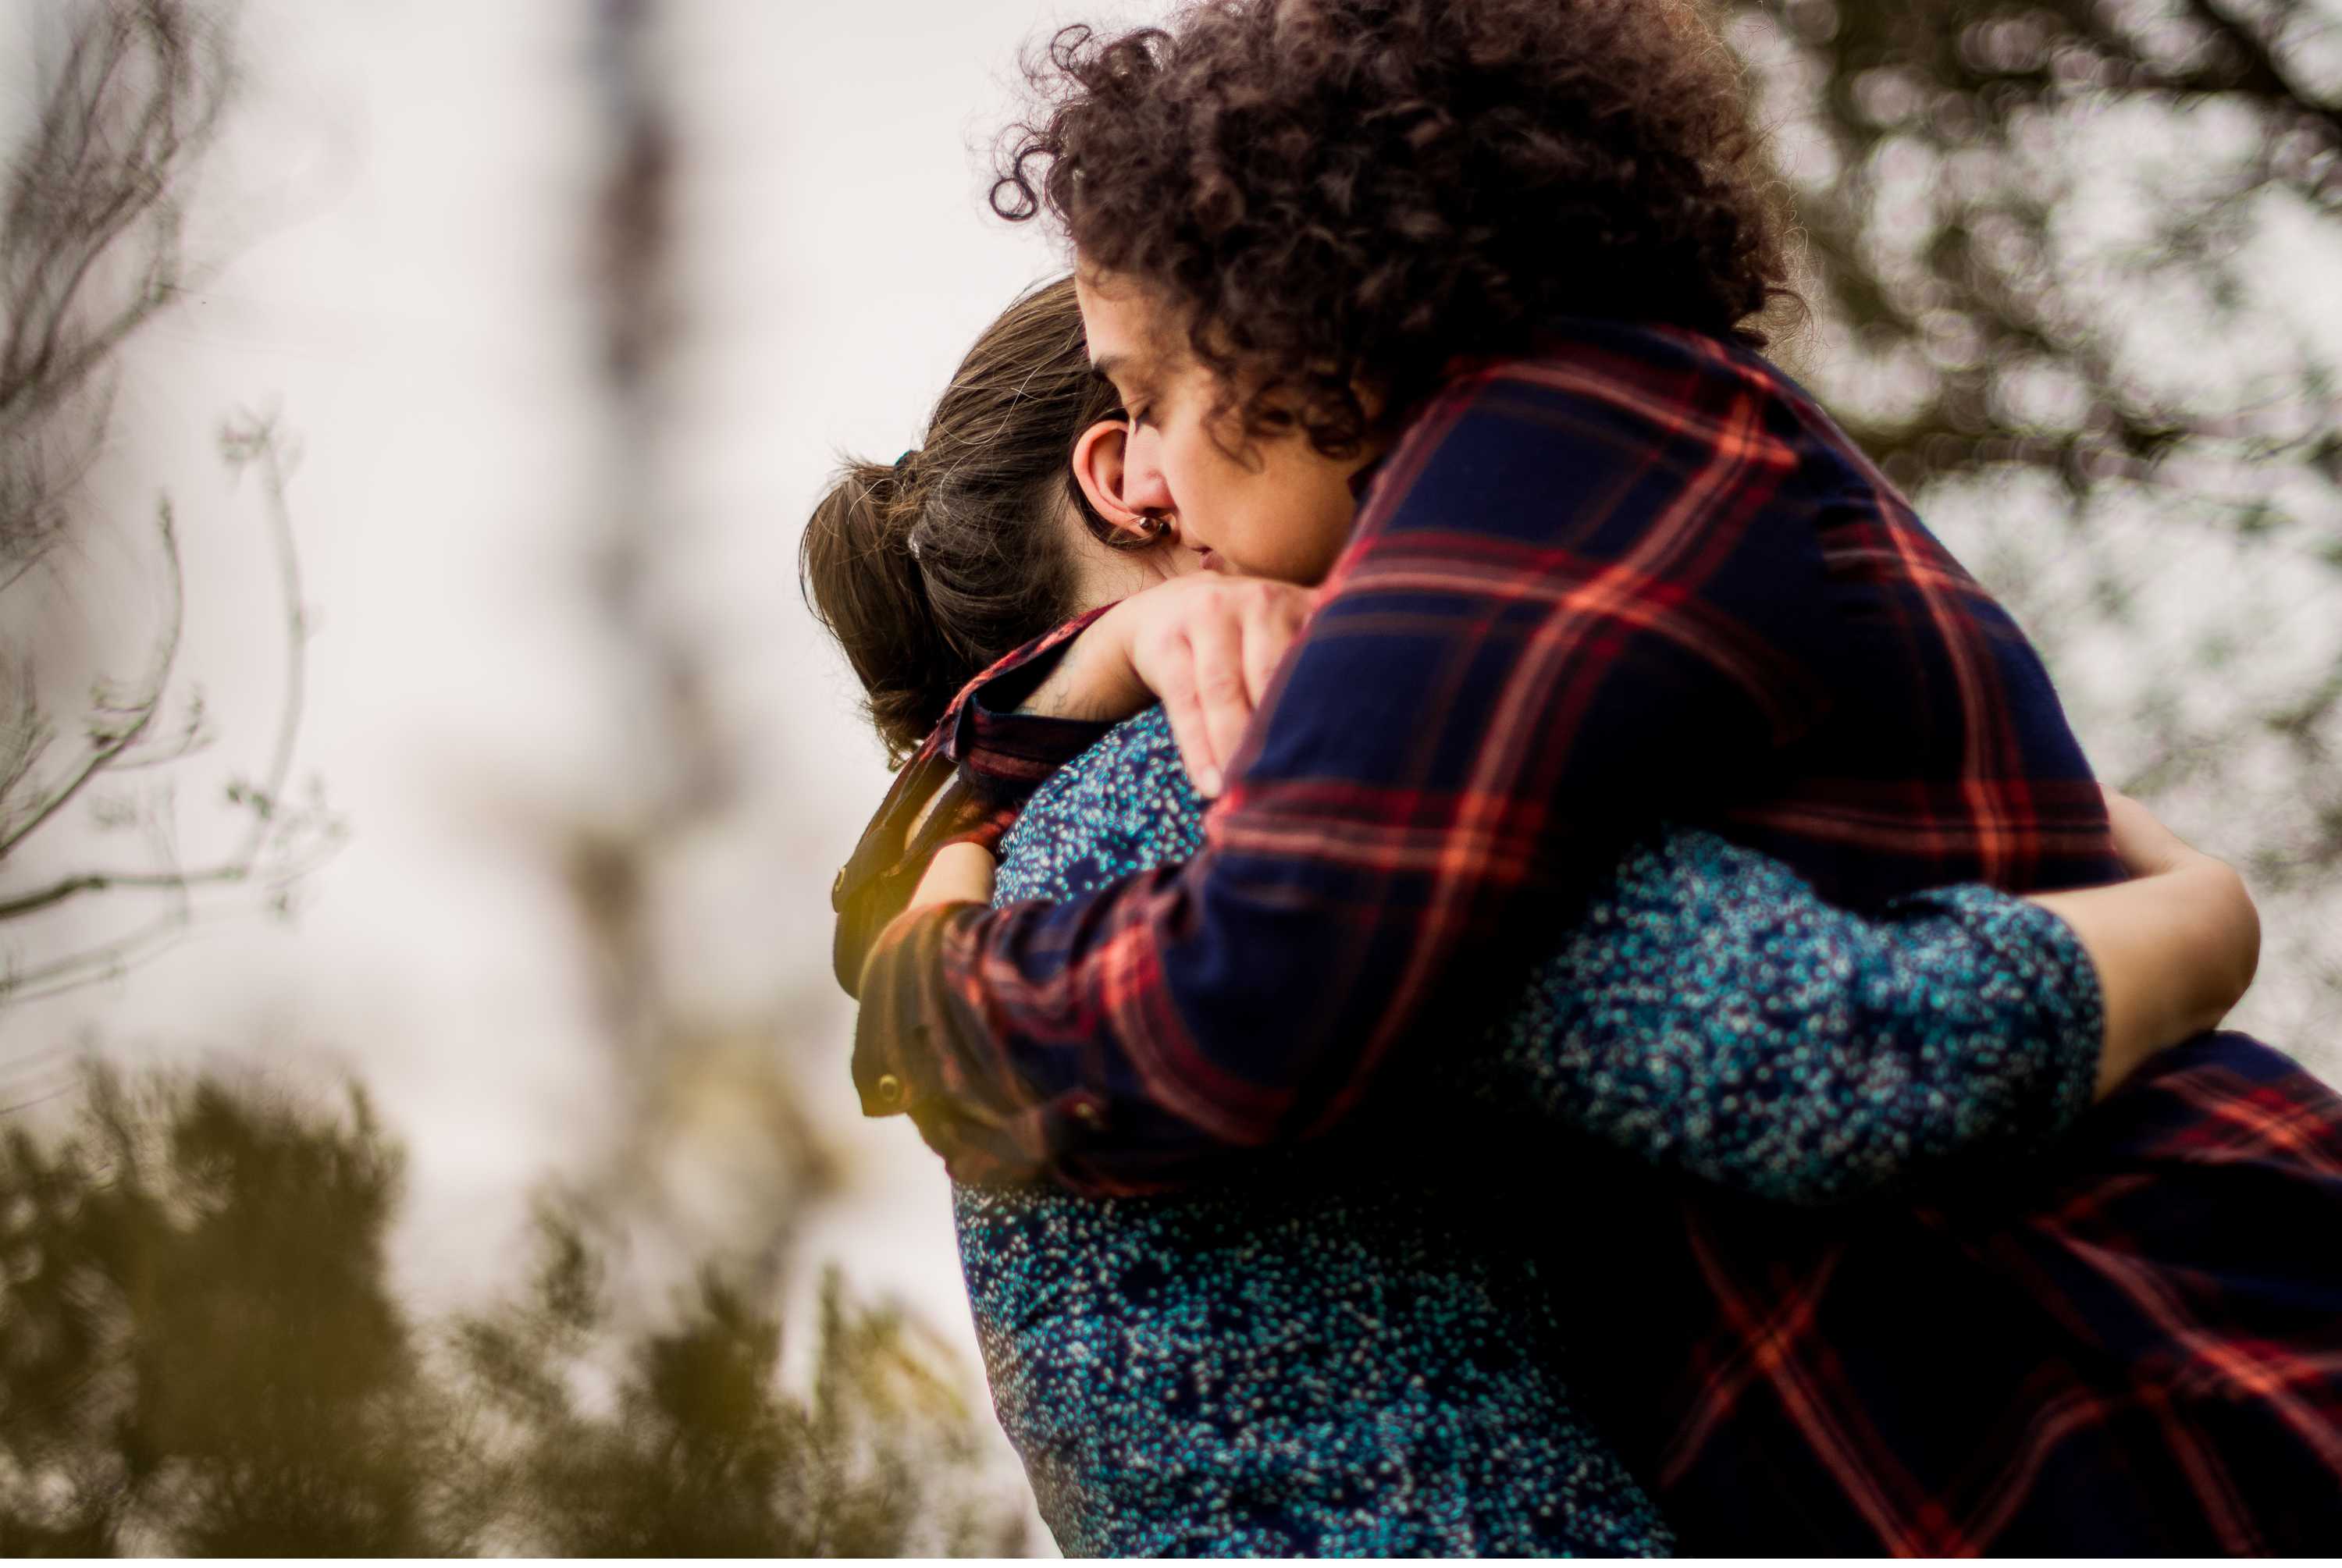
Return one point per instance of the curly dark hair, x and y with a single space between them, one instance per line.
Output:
1337 194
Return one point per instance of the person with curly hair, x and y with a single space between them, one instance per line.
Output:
1456 305
1405 1404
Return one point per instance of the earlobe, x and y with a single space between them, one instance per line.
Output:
1098 469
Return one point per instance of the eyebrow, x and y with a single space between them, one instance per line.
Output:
1105 366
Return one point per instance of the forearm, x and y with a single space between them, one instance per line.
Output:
998 758
1012 1083
2174 952
1713 1014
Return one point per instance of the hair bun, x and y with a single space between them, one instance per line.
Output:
860 566
929 569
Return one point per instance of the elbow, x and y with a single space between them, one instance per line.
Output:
2237 927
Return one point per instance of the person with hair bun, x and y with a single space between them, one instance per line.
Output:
1454 307
1335 1356
928 569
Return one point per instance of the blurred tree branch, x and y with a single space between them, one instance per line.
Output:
90 254
2069 265
90 247
700 1073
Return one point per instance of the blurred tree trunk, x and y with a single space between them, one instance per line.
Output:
705 1092
2076 271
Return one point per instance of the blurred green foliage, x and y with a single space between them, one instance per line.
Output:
201 1353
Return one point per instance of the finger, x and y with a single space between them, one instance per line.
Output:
1272 623
1173 675
1218 643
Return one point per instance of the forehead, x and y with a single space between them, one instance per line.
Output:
1118 321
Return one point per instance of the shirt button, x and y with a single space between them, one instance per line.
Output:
889 1089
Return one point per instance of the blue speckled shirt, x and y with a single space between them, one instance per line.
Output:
1326 1356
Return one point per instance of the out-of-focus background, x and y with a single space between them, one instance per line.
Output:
427 1125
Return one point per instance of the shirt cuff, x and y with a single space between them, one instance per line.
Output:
2040 957
919 1052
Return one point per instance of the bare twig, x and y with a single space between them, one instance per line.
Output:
90 243
89 882
89 252
137 716
255 442
301 839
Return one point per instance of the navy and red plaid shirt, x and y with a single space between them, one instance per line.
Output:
975 768
1643 577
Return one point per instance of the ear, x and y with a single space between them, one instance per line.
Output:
1099 470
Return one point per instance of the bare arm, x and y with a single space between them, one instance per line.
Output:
2175 947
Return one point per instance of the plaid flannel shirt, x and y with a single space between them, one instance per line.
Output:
1643 577
977 776
1640 578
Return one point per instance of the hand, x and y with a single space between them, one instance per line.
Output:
959 874
1208 646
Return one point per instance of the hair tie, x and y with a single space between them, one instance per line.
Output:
905 461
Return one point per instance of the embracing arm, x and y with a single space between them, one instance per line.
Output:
964 785
2175 948
1486 692
1712 1013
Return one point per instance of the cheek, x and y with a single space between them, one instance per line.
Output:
1301 531
1337 510
1187 473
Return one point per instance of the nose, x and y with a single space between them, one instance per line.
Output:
1144 487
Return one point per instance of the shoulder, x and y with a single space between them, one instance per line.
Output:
1606 438
1130 786
1123 805
1138 750
1596 404
1666 374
